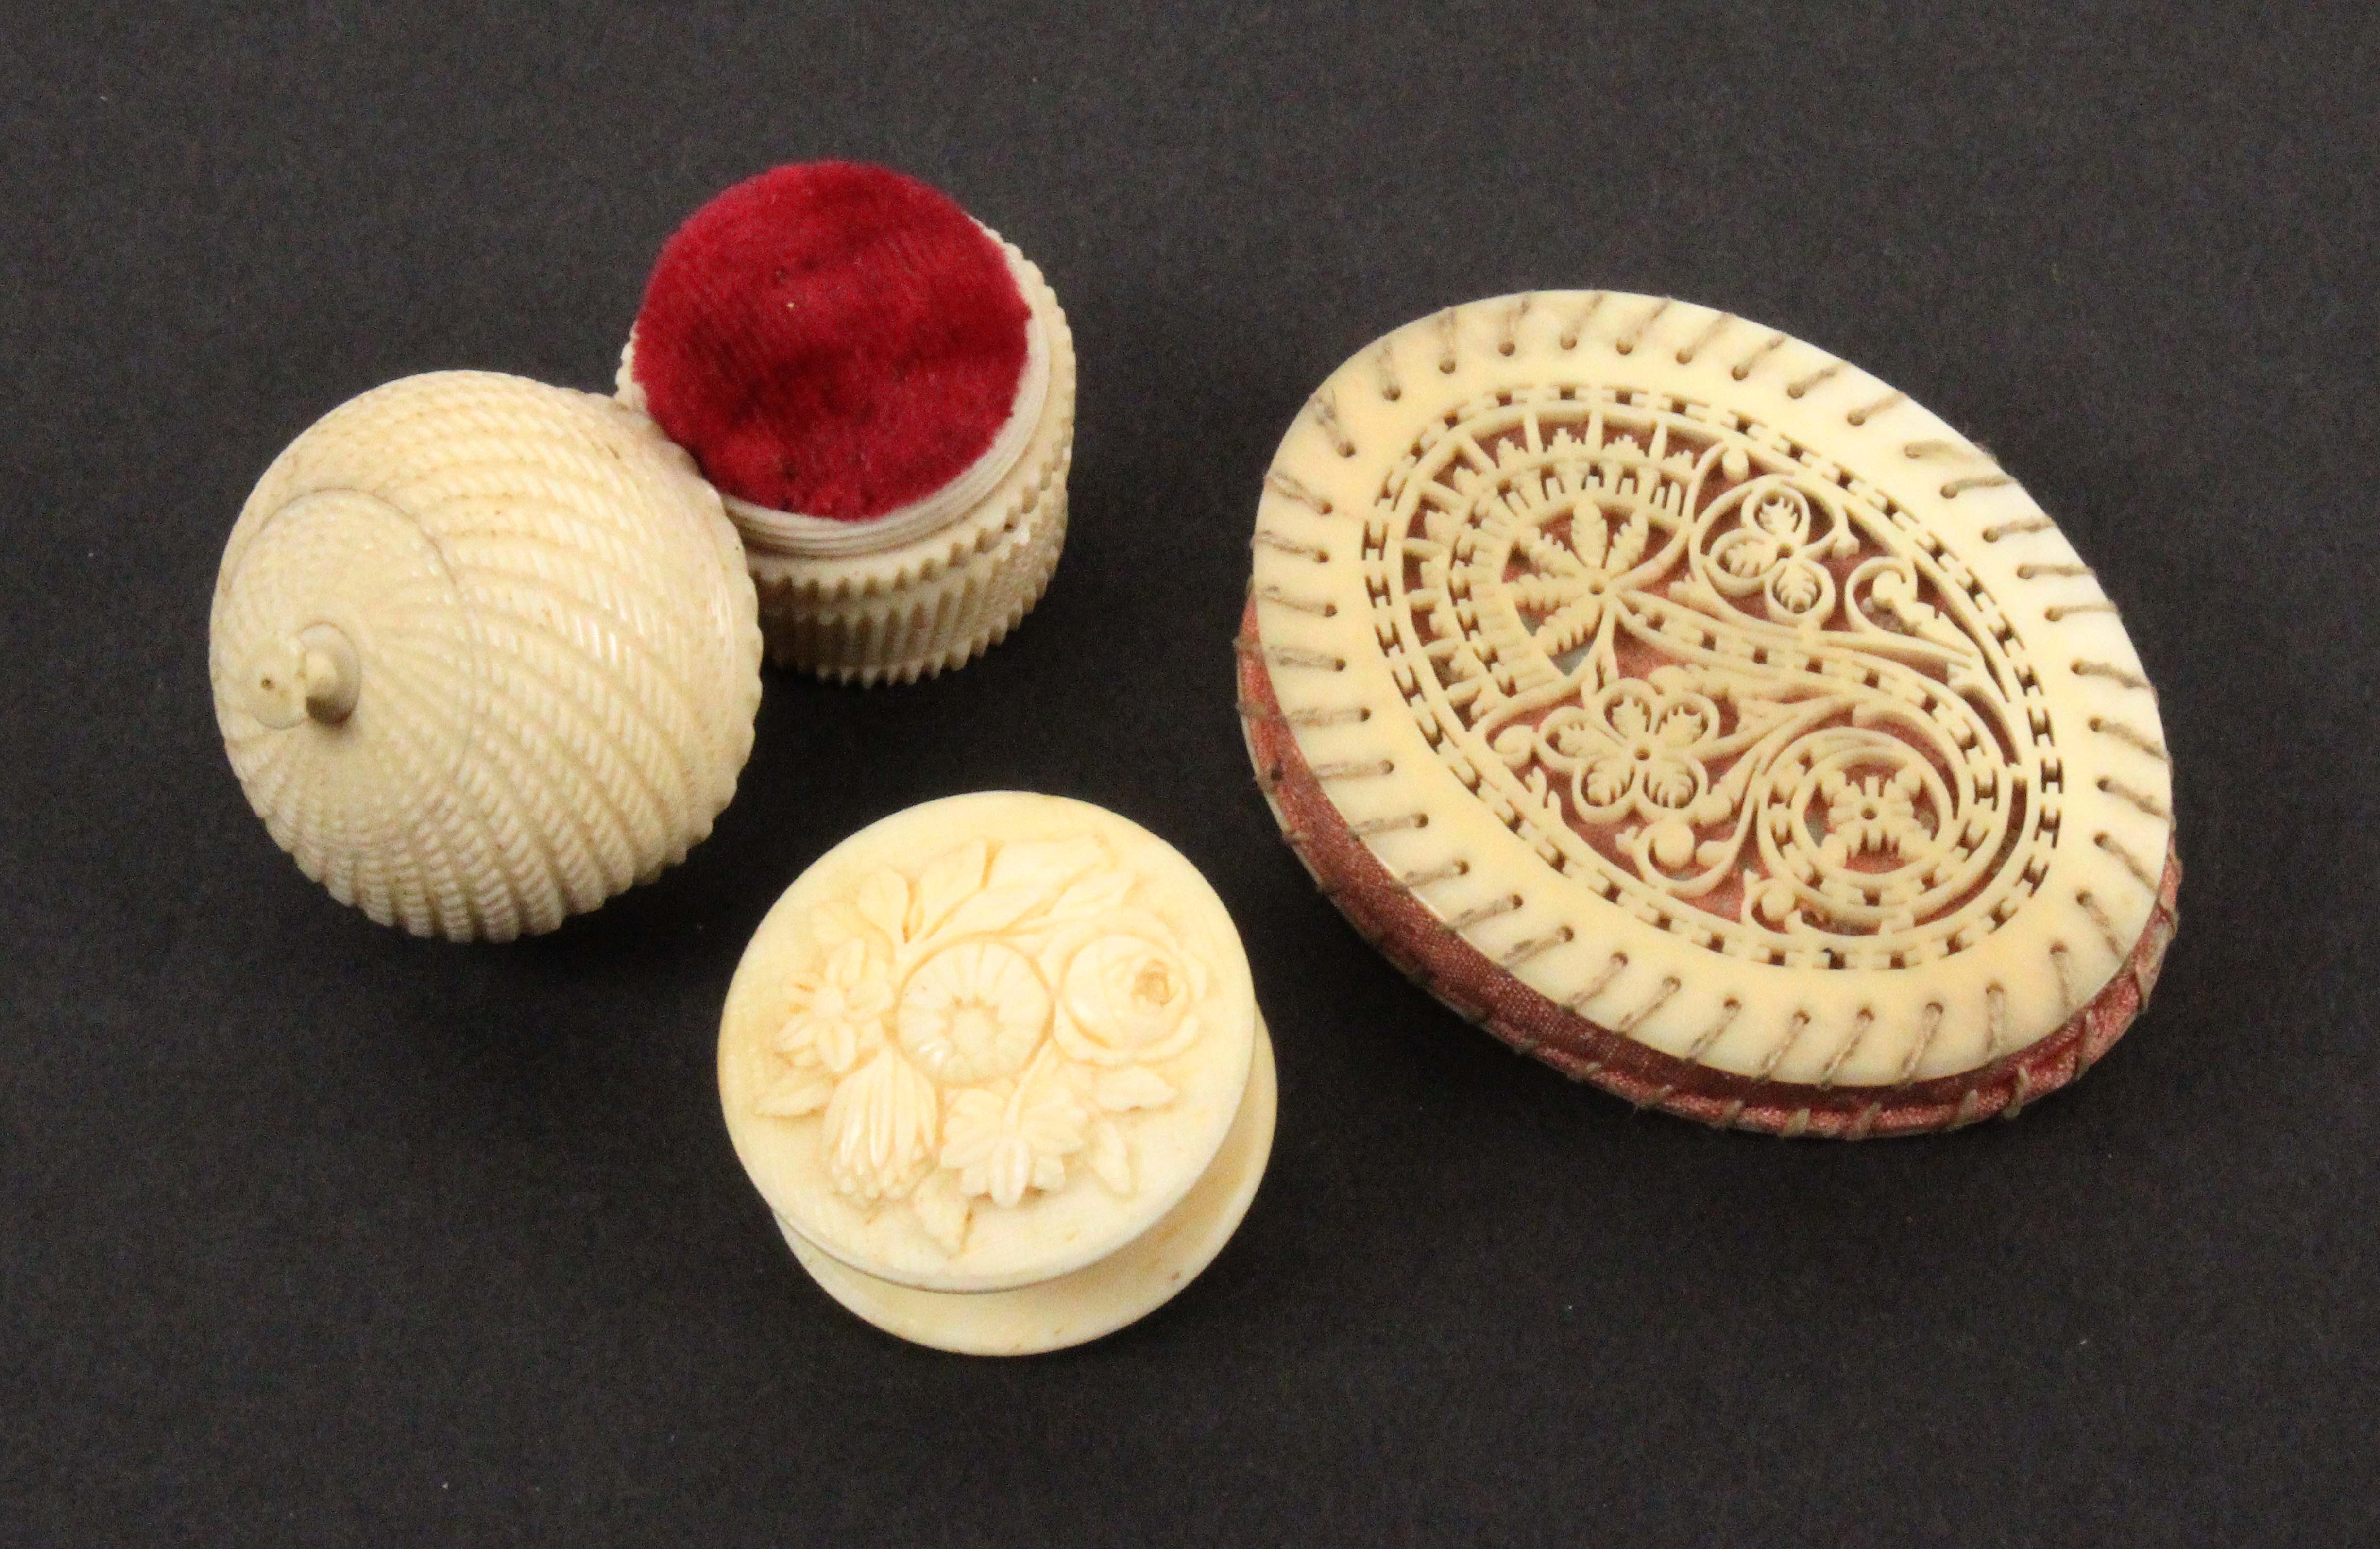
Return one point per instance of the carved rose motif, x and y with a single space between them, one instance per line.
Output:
1126 995
973 1033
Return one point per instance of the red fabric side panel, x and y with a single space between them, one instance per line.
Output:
1391 919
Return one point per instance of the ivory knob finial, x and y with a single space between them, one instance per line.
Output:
311 673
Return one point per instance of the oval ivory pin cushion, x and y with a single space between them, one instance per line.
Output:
484 653
1702 716
996 1065
883 392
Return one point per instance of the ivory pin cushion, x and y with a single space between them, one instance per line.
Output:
883 392
995 1064
484 653
1701 715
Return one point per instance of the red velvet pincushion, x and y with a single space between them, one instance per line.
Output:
831 339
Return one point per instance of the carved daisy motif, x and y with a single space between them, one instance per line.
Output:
974 1012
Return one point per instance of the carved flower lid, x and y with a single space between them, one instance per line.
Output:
1704 716
987 1042
484 653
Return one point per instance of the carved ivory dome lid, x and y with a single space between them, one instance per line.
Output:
1704 716
996 1065
484 653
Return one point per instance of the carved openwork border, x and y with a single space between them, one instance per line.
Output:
2036 773
1314 637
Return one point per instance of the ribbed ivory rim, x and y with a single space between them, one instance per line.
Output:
1411 544
799 534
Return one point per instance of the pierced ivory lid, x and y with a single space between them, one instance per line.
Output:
1711 690
985 1042
484 653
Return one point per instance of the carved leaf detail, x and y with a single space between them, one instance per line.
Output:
992 909
1589 534
950 877
943 1210
884 904
1109 1162
1045 865
1748 558
1133 1086
1013 1170
1682 726
1090 897
1668 783
1607 780
1798 586
799 1091
1631 546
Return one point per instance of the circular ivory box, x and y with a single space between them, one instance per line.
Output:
1701 715
484 653
995 1064
856 293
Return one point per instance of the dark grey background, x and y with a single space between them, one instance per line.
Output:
313 1233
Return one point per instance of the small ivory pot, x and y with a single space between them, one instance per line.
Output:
484 653
934 585
995 1064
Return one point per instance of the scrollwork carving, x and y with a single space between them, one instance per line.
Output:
1732 685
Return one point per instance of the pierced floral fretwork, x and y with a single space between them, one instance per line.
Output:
972 1034
1733 686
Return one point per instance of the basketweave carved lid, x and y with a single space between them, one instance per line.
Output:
985 1042
1711 688
484 653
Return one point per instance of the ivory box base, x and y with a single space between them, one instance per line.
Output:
1074 1309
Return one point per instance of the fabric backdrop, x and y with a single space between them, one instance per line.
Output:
311 1233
